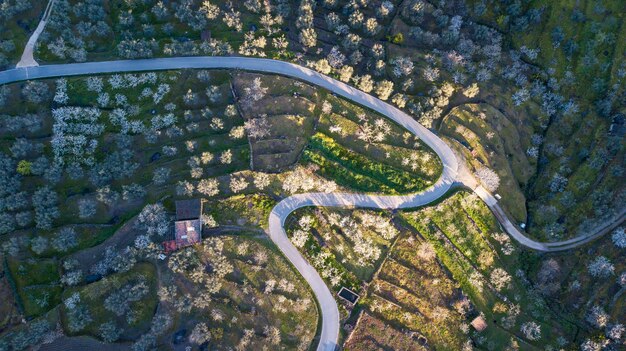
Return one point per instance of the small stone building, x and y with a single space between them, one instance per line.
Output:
348 295
188 225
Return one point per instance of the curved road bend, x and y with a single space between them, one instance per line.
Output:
450 173
328 306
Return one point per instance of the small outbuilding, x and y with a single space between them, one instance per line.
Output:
188 225
479 323
348 295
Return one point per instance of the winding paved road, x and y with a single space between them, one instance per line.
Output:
328 306
452 174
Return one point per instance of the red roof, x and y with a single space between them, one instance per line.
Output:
188 226
188 232
169 246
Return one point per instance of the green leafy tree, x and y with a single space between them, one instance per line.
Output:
24 167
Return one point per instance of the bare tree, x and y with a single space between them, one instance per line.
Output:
254 92
258 128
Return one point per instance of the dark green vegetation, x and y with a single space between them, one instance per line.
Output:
356 171
578 182
362 151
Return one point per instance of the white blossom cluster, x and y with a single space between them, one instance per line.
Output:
376 132
301 235
129 80
321 261
60 96
258 128
160 93
73 127
252 45
302 180
381 225
118 117
212 47
363 246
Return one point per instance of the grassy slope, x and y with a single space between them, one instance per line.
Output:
399 164
461 229
292 110
409 292
107 220
242 301
495 142
93 296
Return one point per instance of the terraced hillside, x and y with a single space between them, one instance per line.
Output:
424 275
90 171
555 70
579 47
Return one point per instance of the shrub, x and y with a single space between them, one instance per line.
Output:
24 167
107 196
39 244
601 267
531 330
7 223
619 238
208 187
133 192
161 175
488 178
35 91
109 332
154 220
397 38
65 240
45 201
598 317
200 334
86 208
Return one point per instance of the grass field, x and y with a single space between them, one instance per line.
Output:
429 277
470 244
490 139
134 321
260 293
360 150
